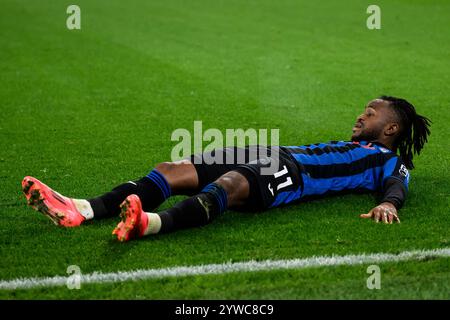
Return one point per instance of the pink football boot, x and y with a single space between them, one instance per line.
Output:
134 220
61 210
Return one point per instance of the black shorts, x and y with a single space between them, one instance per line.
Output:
272 173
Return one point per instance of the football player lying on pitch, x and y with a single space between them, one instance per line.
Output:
369 162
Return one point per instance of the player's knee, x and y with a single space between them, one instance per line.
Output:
165 167
235 185
180 175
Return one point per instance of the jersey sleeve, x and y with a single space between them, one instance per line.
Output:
395 180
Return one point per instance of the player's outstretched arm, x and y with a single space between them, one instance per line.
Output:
385 212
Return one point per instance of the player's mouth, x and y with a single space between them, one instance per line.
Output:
357 126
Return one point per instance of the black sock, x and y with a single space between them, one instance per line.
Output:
195 211
152 189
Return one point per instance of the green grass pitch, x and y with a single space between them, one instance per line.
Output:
84 110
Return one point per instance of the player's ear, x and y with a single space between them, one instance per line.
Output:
391 129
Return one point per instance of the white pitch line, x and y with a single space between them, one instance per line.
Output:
249 266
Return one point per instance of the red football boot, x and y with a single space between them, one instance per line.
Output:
134 220
61 210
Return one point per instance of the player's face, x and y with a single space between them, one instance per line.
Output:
370 124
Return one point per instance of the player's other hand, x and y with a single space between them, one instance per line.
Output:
385 212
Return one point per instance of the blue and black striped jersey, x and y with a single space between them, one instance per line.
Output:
338 166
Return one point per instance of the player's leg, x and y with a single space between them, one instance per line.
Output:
246 186
166 179
221 185
230 190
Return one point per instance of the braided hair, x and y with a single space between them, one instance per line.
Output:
414 129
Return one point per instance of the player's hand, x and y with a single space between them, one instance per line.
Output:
385 212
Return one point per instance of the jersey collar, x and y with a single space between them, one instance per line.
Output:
380 145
